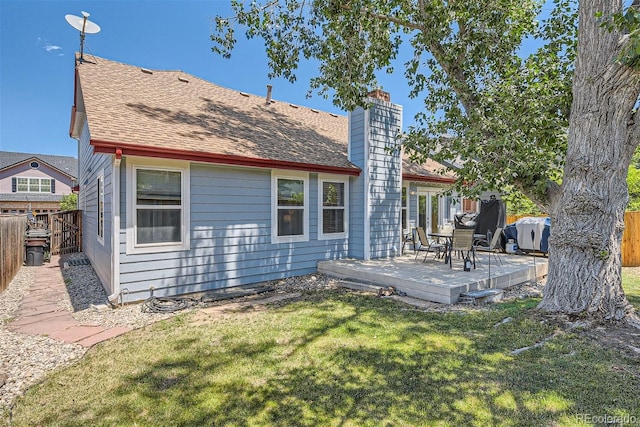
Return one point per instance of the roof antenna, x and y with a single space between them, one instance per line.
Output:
83 25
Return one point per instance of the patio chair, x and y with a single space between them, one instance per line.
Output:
409 236
427 245
462 242
493 247
445 228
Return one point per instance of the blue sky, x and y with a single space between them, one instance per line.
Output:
37 67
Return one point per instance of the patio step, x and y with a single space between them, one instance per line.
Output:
480 296
466 300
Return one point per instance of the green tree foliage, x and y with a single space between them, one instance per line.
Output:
519 204
503 110
69 202
557 124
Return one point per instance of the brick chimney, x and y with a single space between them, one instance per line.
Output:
380 94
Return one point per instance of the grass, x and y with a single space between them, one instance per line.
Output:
340 358
631 285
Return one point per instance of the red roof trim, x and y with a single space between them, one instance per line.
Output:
108 147
424 178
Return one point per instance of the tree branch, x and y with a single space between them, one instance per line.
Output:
453 71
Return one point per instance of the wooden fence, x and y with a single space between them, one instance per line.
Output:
66 231
631 240
630 237
12 230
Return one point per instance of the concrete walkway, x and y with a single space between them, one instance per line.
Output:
41 311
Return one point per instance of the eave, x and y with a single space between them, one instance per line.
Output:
424 178
109 147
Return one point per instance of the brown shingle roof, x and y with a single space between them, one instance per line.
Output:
172 111
430 170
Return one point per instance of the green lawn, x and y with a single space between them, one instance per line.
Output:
631 285
342 359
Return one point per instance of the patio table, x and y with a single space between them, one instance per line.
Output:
447 237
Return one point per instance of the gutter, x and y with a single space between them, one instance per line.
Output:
423 178
107 147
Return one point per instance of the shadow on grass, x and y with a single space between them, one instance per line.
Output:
354 360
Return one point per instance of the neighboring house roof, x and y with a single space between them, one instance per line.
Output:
30 197
64 164
135 111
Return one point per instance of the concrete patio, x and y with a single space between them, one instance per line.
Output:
433 280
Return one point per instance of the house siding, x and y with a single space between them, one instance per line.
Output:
377 192
357 147
90 167
385 179
62 185
230 239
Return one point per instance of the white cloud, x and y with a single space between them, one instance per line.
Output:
50 47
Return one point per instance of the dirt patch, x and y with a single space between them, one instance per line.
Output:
621 338
618 337
246 305
632 270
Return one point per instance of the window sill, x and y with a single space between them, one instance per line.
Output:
153 249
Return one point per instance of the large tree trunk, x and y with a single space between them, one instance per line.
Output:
588 219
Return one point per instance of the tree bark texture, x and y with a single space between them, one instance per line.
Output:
588 217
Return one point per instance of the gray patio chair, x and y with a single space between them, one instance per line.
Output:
493 247
409 236
462 242
427 245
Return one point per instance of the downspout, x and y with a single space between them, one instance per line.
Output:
401 154
115 228
399 252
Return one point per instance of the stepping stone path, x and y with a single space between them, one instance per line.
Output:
41 313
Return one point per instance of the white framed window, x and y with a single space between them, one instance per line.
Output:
333 207
100 191
157 206
405 209
34 185
289 207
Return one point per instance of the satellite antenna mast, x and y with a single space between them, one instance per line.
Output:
83 25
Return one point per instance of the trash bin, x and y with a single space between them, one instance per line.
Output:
35 255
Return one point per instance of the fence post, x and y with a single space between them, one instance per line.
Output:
12 229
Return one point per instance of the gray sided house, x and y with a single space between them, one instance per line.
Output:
186 186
